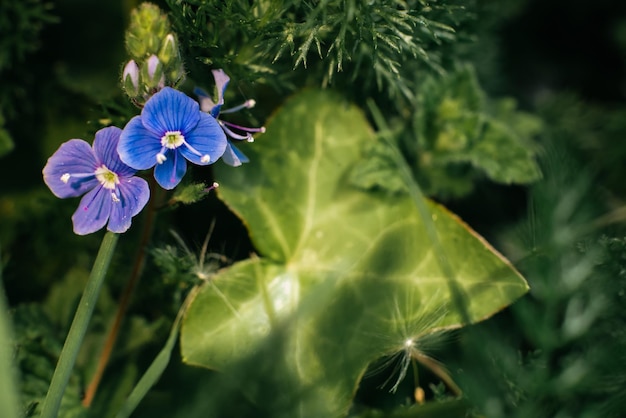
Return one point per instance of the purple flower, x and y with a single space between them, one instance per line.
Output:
112 193
170 130
232 155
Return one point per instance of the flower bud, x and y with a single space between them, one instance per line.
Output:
152 72
130 79
169 50
148 26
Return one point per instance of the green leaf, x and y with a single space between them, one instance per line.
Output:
377 170
345 276
190 193
460 136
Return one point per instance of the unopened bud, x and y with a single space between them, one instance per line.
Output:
152 72
130 78
148 27
169 50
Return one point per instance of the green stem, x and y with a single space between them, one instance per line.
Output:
79 327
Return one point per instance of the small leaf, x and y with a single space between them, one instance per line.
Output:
190 193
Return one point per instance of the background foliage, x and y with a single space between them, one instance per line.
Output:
515 122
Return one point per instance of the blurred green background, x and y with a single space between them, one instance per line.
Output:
60 64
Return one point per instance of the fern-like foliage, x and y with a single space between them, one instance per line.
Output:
21 23
378 42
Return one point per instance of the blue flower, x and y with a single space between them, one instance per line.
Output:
112 193
232 155
170 131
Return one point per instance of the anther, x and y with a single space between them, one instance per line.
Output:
66 177
160 157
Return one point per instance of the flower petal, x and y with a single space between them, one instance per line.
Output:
221 82
170 110
206 103
105 148
138 146
233 156
169 174
134 194
76 158
93 211
207 138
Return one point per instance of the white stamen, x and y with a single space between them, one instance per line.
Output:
205 158
172 139
115 198
160 157
216 185
250 103
106 177
66 177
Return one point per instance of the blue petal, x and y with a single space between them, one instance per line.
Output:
76 158
170 173
138 147
207 138
105 148
170 110
93 211
233 156
134 193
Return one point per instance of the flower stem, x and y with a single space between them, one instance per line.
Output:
79 327
122 307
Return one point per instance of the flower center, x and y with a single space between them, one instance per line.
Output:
107 178
172 139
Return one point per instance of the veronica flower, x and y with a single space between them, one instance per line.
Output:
170 131
232 155
112 193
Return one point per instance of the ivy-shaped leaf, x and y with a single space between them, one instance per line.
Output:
344 276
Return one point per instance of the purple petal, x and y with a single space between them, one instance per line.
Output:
93 211
207 138
170 110
105 148
169 174
233 156
221 82
206 103
138 146
76 158
134 194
